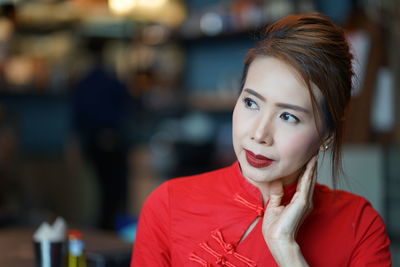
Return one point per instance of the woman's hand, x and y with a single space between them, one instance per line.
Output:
280 223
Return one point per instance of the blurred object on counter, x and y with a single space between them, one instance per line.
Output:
49 244
76 249
102 248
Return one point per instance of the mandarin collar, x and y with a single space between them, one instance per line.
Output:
251 192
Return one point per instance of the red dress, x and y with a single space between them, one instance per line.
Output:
199 220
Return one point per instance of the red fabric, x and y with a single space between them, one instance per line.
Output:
199 220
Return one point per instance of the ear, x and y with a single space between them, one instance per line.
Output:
327 143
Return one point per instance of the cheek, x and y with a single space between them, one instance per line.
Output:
234 117
238 122
235 127
299 145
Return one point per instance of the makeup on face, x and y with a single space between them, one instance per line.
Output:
258 161
274 131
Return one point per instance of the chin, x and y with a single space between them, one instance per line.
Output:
257 175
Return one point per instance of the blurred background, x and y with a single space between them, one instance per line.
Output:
101 101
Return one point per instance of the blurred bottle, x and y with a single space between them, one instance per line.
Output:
76 249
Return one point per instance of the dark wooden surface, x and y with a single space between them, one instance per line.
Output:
16 245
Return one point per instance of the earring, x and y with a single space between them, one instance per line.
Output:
326 147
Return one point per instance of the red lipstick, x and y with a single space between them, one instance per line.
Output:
257 161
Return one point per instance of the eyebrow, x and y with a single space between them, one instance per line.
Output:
281 105
252 92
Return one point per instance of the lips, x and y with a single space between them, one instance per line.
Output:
257 161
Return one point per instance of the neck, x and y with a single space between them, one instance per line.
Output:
275 186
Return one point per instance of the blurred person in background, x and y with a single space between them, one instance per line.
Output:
12 209
266 209
99 106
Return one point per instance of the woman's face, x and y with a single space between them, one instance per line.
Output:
274 131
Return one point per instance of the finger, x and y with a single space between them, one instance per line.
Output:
313 181
275 193
306 180
305 183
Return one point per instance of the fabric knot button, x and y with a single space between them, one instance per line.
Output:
260 211
221 261
229 248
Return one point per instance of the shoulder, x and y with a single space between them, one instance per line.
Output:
189 186
343 206
347 210
346 206
200 180
352 217
326 196
156 201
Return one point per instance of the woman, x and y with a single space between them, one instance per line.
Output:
265 209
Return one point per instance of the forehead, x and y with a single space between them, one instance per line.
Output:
269 74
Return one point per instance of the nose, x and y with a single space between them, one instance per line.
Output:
262 131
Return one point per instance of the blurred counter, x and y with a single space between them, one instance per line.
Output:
103 249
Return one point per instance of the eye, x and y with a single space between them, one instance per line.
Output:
289 117
250 103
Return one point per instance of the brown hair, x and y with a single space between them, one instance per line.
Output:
314 46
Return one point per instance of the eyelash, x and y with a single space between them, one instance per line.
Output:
291 115
248 102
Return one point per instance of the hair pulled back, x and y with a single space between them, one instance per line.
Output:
317 49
